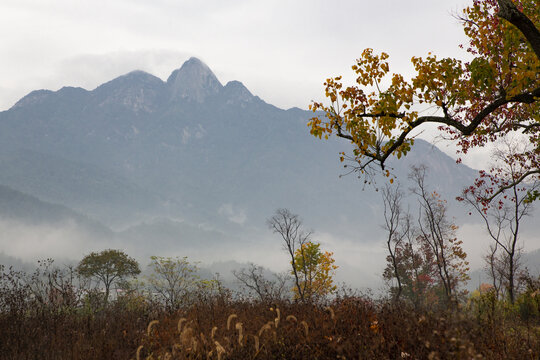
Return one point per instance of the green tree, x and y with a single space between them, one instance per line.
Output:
316 269
108 267
495 95
172 279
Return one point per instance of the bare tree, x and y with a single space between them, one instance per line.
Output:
495 267
503 215
289 227
397 226
254 279
438 233
51 285
502 224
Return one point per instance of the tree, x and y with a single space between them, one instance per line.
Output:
312 269
495 265
108 267
55 286
316 270
254 279
492 96
289 227
438 234
414 263
503 220
426 260
398 228
172 278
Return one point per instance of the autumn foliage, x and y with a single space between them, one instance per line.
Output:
494 95
317 269
426 263
56 315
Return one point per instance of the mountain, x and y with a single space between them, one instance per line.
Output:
193 81
190 143
81 186
29 210
192 161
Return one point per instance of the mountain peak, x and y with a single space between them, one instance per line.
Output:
137 90
35 97
194 81
193 61
236 92
135 78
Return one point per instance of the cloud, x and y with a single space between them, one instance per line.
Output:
235 215
35 242
88 71
91 70
361 263
281 50
475 243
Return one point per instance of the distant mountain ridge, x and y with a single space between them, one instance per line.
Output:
137 150
21 207
192 166
140 91
81 186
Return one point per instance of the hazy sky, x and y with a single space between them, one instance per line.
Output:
281 50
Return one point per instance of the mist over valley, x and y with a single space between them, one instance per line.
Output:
192 167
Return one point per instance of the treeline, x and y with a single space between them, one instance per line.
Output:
66 313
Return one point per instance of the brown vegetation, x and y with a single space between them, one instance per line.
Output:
220 327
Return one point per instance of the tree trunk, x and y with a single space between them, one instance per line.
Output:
509 12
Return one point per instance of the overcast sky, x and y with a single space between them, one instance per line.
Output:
281 50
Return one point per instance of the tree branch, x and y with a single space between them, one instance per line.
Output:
509 12
526 97
512 184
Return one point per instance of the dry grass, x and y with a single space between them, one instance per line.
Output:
217 327
350 329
